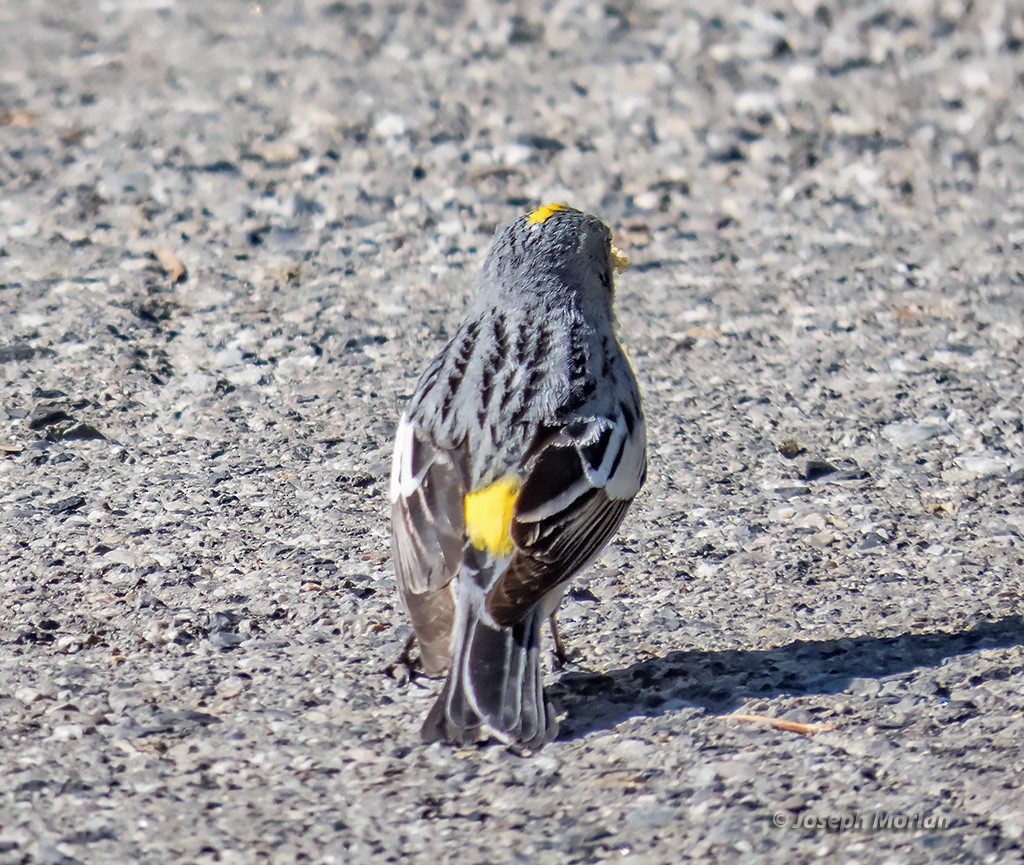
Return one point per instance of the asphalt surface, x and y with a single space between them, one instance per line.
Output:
230 237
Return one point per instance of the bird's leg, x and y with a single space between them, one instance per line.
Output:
559 656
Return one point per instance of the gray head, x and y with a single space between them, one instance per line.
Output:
557 254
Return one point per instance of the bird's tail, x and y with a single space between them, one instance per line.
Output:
494 687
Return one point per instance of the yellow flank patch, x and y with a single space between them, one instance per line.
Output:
620 261
488 514
545 212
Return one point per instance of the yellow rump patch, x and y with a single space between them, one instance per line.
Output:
488 513
545 212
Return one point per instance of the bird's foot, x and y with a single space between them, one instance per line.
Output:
560 656
406 668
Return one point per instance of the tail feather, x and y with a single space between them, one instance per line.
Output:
494 687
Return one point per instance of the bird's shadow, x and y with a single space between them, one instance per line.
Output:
720 681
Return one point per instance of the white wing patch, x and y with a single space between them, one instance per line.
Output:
555 505
621 468
628 476
403 480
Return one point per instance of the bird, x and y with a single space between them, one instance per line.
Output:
515 460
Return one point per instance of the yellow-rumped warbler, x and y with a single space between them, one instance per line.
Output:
520 450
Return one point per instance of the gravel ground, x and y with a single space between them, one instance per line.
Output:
230 236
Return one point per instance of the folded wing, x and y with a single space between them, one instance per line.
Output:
427 537
579 482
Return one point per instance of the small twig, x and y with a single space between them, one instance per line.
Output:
780 724
502 171
171 264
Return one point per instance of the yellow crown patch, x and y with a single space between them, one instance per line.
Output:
545 212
